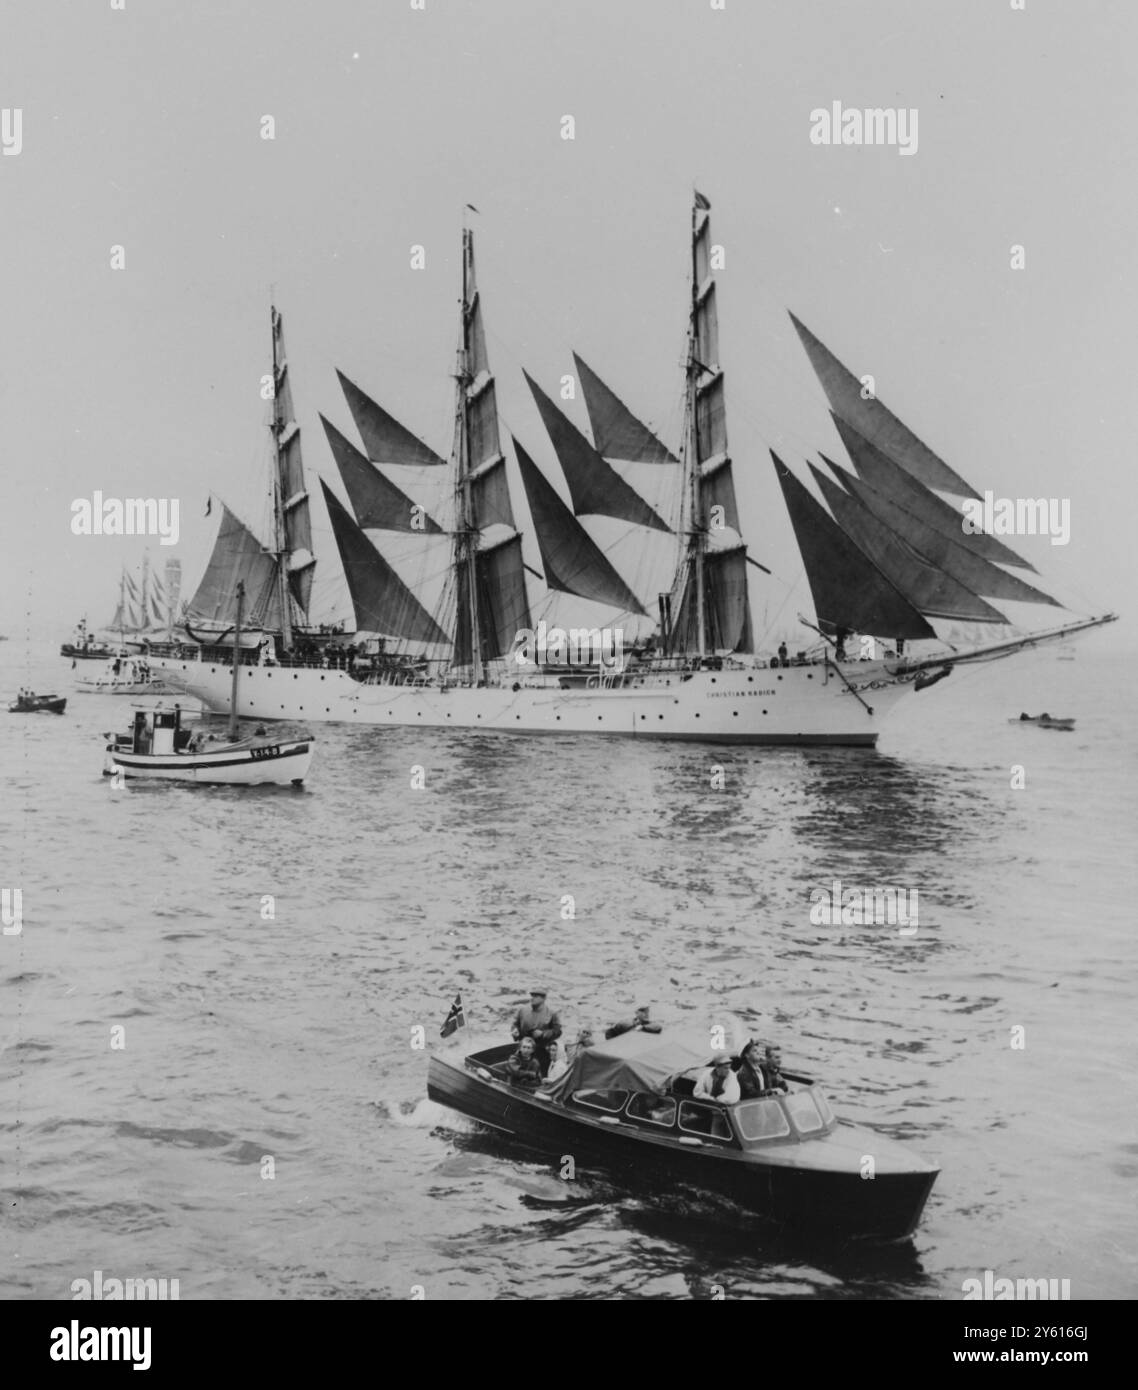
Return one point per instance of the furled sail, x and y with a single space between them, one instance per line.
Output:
385 440
717 484
294 505
727 609
877 423
238 556
617 433
930 590
951 556
376 501
572 561
382 602
503 607
849 590
880 472
594 485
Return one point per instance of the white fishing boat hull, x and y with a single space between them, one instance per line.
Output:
806 705
263 764
113 687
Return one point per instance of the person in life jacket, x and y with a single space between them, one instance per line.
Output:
718 1082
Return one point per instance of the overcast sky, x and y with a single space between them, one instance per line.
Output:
141 128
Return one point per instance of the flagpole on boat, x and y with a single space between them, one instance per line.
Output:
236 661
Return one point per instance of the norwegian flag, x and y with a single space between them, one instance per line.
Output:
455 1020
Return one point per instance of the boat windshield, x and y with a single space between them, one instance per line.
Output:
761 1119
805 1114
823 1105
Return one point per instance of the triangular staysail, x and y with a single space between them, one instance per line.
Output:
849 591
951 556
572 561
385 440
929 589
887 477
596 488
876 422
617 433
238 557
382 603
378 504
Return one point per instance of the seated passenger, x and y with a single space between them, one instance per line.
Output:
557 1064
718 1082
638 1022
772 1065
522 1069
749 1074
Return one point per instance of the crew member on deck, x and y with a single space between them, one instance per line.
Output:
783 655
639 1022
718 1082
540 1023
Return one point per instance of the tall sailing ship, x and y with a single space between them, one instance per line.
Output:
885 555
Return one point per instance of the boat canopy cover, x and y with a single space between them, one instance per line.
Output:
632 1062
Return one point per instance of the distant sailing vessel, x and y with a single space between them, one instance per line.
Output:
885 555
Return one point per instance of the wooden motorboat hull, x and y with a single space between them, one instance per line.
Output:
813 1185
260 764
1063 724
51 704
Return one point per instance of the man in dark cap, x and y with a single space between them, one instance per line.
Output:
540 1023
639 1022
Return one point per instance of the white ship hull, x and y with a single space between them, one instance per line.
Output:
791 705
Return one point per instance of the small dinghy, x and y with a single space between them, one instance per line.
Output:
1044 721
157 747
28 702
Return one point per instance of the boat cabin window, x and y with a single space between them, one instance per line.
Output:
704 1119
803 1112
608 1101
761 1119
655 1109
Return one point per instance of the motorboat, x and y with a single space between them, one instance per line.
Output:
627 1105
157 747
38 704
1044 721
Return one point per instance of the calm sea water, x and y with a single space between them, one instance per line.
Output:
248 1035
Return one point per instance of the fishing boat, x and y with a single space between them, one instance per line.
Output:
28 703
885 554
627 1105
156 747
1044 721
85 647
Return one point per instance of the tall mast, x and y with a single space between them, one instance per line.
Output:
697 534
144 600
236 661
280 546
466 540
122 607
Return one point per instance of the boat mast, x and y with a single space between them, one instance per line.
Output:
144 601
697 535
280 546
122 607
236 661
466 539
